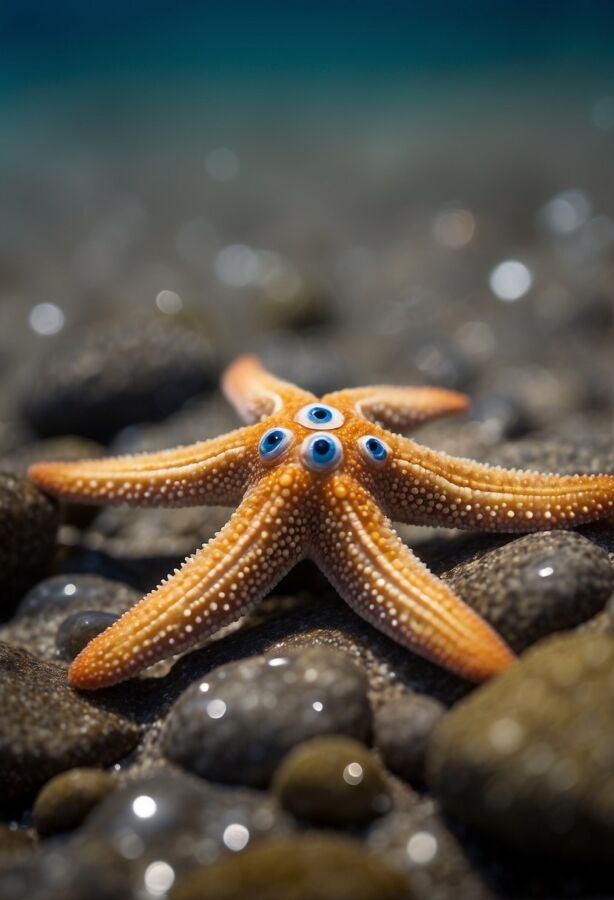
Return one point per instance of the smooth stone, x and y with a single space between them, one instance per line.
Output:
52 601
306 867
528 758
68 798
237 723
402 728
115 374
332 781
78 630
28 525
48 728
180 821
536 585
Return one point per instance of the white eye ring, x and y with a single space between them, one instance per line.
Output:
319 417
274 442
374 449
321 452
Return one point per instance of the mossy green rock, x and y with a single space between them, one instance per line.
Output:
65 801
529 758
332 781
310 867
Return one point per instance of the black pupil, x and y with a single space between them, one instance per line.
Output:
321 447
273 439
373 446
320 413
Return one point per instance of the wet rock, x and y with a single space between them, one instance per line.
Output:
528 758
28 525
417 842
48 728
78 630
50 603
68 798
113 375
237 723
310 867
178 821
536 585
402 729
69 872
567 455
332 781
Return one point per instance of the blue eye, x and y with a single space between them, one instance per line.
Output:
321 452
373 449
318 415
274 442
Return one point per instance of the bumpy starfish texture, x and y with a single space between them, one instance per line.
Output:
319 479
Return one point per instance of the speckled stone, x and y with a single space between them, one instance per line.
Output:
418 842
309 867
402 728
181 821
28 525
115 374
48 728
536 585
237 723
47 605
332 781
78 630
65 801
529 757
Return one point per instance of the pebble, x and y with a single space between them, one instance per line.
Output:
237 723
538 584
177 821
332 781
115 374
316 363
402 728
418 842
68 798
306 867
47 606
15 845
528 758
48 728
78 630
28 525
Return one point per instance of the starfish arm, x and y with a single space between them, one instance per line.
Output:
214 472
397 408
217 585
386 584
425 487
255 393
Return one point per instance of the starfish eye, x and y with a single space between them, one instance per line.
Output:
374 450
274 442
318 415
321 452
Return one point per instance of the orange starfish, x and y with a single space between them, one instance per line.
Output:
319 479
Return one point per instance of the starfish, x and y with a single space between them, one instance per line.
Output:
320 479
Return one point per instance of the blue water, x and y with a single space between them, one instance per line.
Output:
49 40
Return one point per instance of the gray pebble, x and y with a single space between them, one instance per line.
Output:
402 728
237 723
536 585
